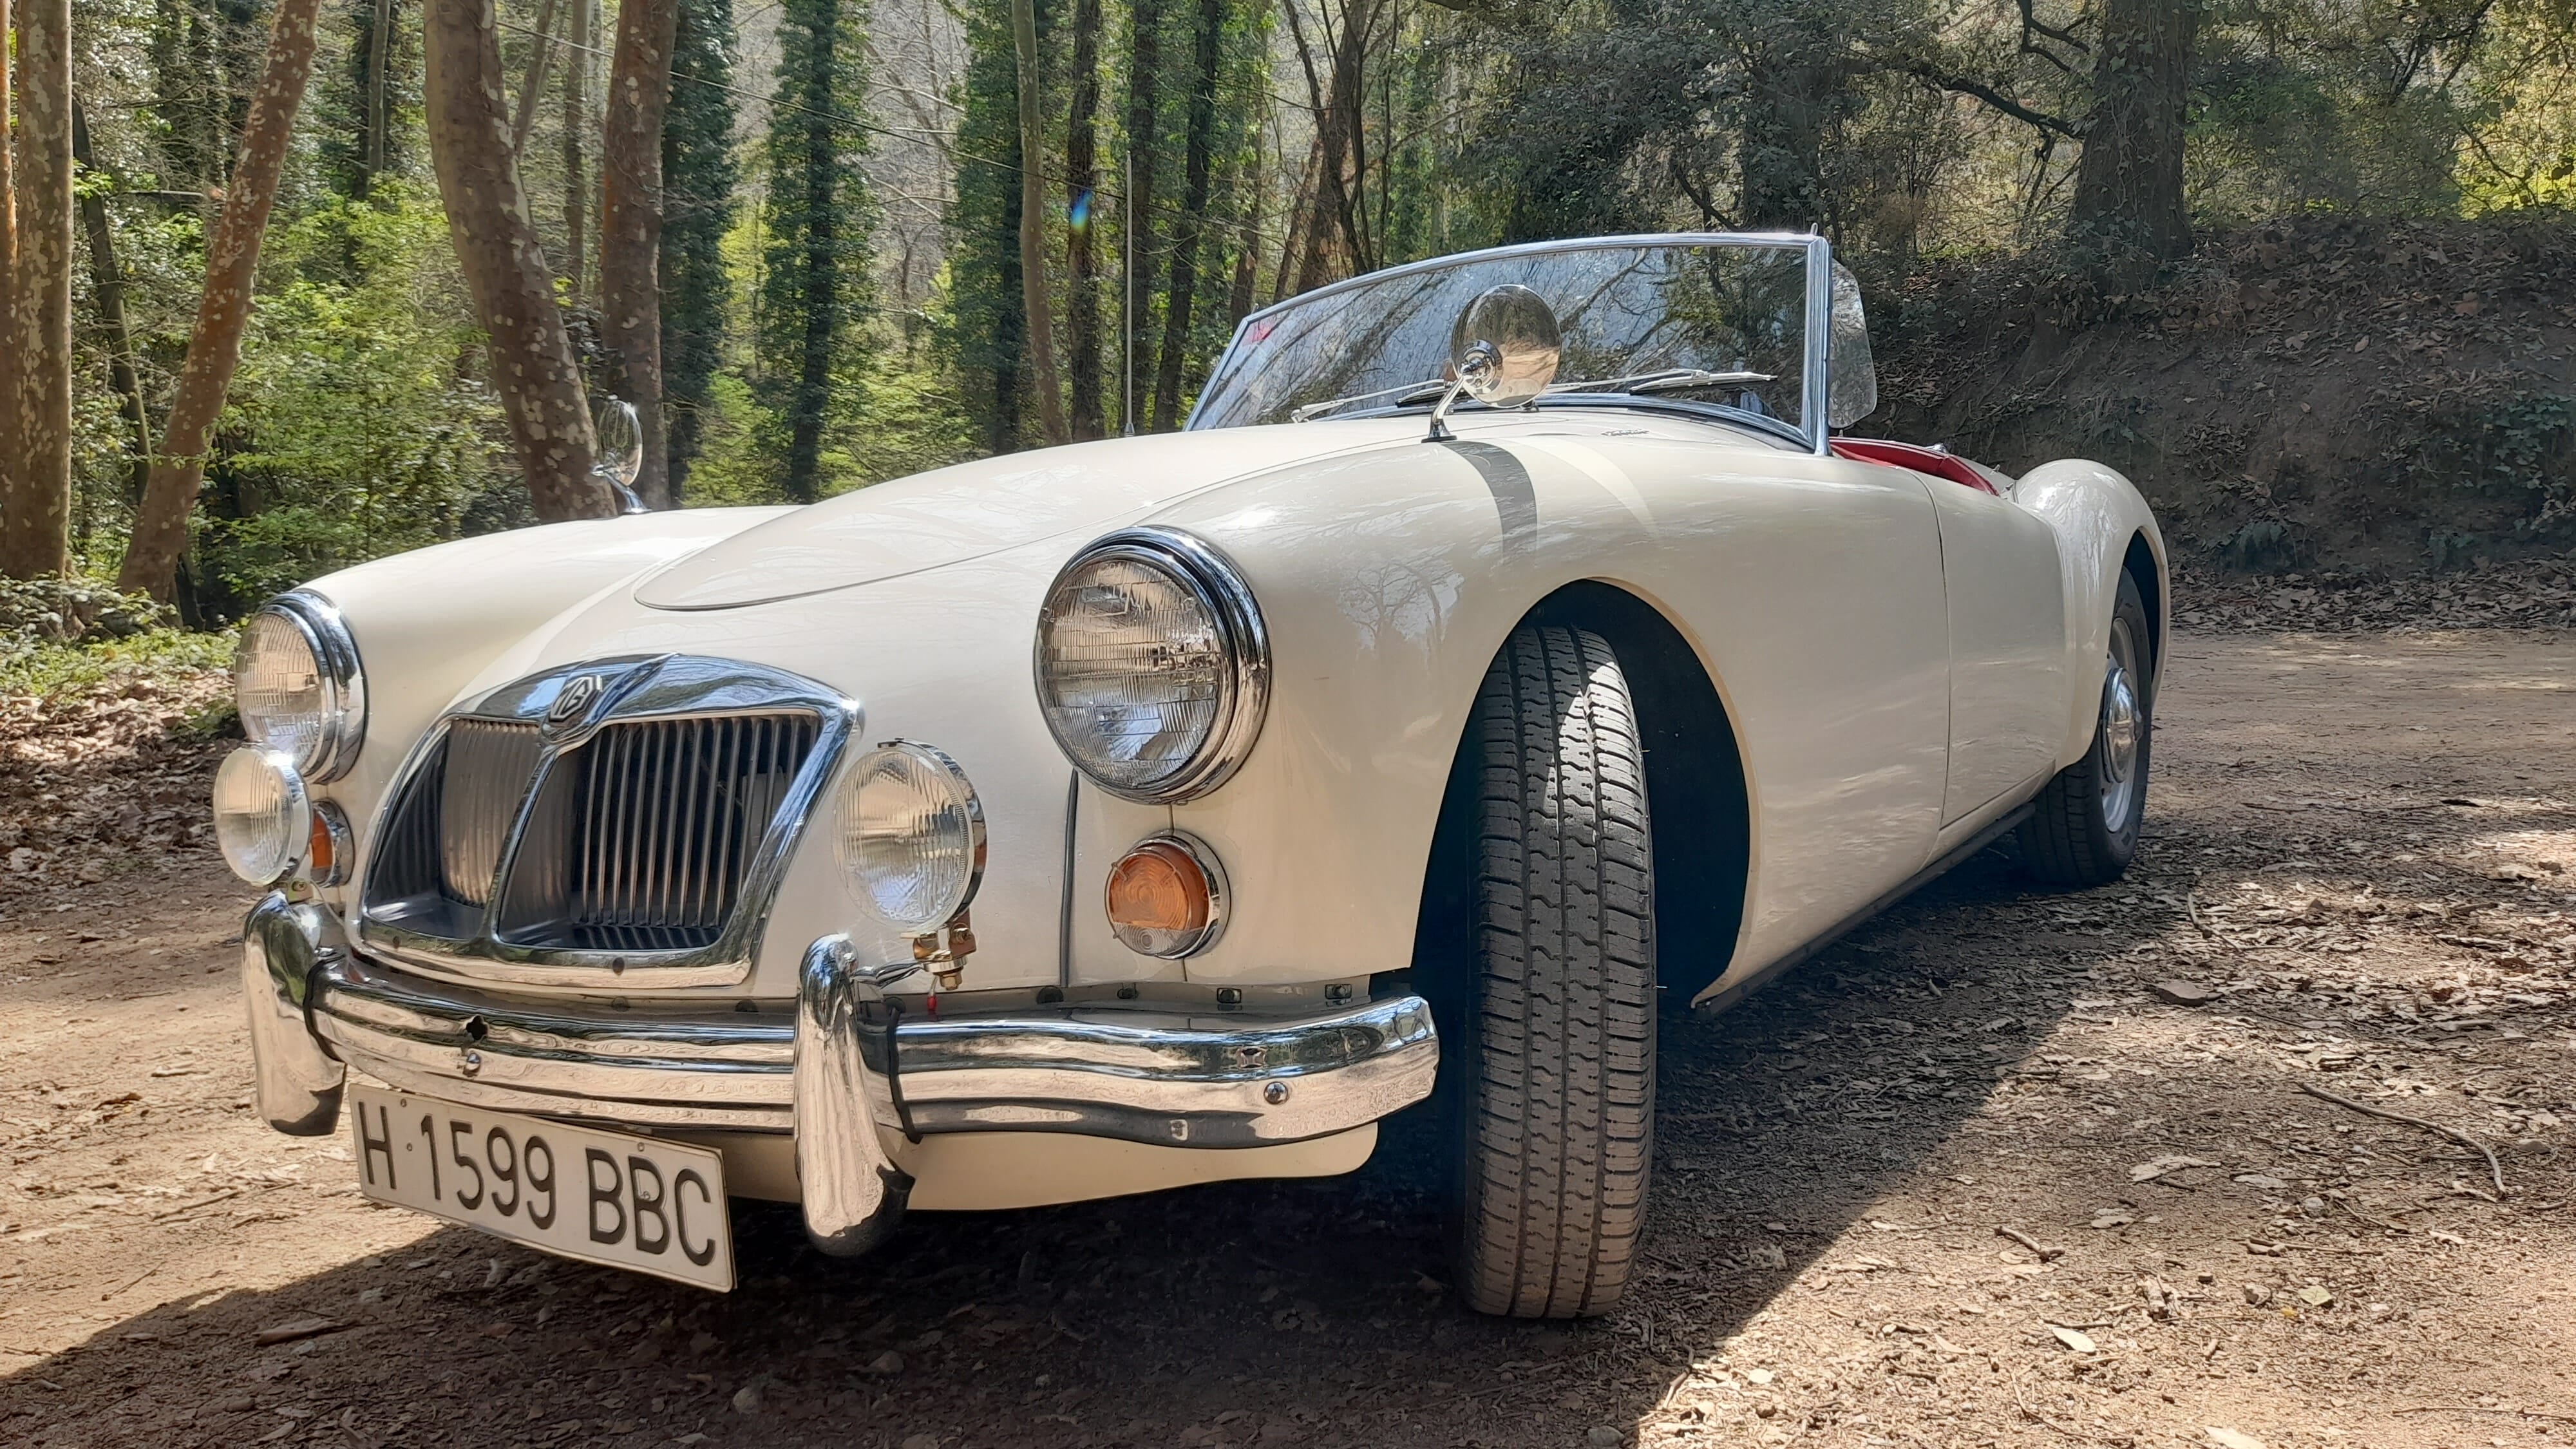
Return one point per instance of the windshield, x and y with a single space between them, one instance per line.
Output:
1734 309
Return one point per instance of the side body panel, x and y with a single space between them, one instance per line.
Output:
2007 612
2095 512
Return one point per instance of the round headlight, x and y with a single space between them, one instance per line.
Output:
912 837
297 682
262 816
1153 669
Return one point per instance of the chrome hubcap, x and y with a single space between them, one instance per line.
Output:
2122 726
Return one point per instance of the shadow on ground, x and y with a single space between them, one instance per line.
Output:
1282 1313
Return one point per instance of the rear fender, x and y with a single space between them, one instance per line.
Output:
2099 517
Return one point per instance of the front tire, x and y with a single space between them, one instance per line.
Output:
2084 831
1559 1082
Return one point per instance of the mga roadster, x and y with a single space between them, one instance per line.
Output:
1513 647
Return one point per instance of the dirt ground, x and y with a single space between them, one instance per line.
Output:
1967 1179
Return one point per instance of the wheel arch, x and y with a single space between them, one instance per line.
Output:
2142 564
1694 772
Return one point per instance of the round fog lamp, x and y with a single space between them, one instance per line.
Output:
262 817
1167 897
912 837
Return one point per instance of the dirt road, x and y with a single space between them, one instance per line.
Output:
2362 848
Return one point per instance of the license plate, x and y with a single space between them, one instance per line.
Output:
603 1197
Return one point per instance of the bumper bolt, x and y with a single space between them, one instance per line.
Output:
1274 1093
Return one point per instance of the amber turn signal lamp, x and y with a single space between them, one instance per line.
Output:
326 859
1167 897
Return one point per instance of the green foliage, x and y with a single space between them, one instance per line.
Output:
815 290
69 636
698 179
359 424
987 323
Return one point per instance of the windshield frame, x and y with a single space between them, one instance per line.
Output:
1811 429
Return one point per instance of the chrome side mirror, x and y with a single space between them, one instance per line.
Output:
1851 377
618 453
1503 351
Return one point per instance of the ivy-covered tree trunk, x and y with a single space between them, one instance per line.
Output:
583 28
35 517
363 101
1033 274
107 298
819 218
2128 210
12 345
698 178
630 224
1144 84
1082 268
986 298
487 218
1196 167
223 310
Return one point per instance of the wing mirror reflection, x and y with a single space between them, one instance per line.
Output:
617 456
1503 352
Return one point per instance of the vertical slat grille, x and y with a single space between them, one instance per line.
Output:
487 769
670 813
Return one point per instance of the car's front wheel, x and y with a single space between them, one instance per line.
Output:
1558 1085
2084 829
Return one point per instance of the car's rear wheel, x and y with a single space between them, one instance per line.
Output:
1558 1081
2084 831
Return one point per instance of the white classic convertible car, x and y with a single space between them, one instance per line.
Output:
1509 648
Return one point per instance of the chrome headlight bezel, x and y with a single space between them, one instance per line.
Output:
317 623
1243 684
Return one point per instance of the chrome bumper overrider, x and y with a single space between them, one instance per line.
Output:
852 1072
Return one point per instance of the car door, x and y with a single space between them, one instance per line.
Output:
2006 611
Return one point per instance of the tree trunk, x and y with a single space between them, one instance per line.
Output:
698 178
35 519
583 32
2128 210
820 326
1082 269
1194 204
12 342
380 41
1144 82
532 84
107 293
223 309
1033 274
630 224
496 247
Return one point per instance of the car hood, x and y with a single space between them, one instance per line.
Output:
954 514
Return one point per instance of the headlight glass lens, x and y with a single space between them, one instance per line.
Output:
306 705
1134 671
912 837
262 815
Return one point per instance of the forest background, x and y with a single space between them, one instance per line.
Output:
895 234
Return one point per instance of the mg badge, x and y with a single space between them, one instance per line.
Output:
573 702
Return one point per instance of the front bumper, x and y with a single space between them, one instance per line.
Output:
851 1072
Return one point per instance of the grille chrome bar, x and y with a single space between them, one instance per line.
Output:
636 833
484 777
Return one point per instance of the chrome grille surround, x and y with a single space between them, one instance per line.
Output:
618 822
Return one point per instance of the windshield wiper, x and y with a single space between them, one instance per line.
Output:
1428 390
1670 379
